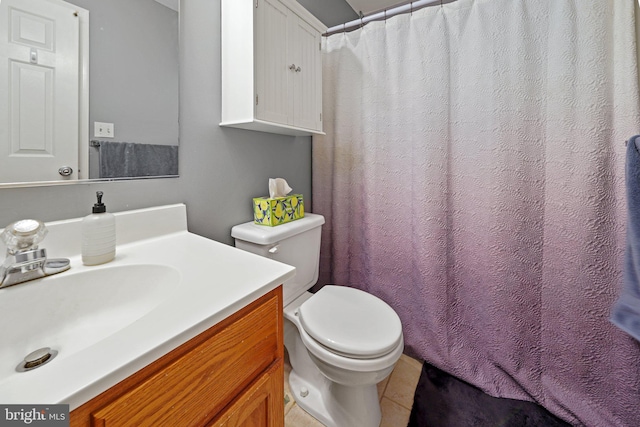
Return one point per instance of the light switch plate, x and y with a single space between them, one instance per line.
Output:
103 130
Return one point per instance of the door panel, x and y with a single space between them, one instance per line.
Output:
272 84
39 90
307 55
260 405
31 90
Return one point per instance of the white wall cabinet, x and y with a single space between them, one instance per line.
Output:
271 67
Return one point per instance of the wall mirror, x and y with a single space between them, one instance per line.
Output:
90 90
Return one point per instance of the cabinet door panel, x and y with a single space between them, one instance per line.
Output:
261 405
273 94
306 48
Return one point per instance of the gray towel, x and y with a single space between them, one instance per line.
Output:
128 159
626 311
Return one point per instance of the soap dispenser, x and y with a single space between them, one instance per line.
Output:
98 235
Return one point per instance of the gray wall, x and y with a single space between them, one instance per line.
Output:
220 169
133 54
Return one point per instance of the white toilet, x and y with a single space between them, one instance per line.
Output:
341 341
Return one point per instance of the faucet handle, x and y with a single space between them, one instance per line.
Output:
24 235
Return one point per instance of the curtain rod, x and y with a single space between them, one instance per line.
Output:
383 15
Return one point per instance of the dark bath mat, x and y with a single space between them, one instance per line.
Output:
442 400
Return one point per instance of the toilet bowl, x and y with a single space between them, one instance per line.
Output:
337 388
341 341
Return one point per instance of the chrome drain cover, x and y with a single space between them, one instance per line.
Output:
37 358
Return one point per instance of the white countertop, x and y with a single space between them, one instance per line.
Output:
216 280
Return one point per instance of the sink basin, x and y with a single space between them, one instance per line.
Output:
73 310
165 287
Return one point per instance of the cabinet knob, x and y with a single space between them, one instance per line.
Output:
292 67
298 69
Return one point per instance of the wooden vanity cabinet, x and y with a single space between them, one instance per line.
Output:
230 375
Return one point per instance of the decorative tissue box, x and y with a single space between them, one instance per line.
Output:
279 210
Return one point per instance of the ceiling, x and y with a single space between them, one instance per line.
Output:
336 12
370 6
171 4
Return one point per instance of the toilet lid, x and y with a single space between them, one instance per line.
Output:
351 322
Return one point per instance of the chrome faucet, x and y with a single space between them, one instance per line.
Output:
24 260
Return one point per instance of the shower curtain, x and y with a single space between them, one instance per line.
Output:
472 176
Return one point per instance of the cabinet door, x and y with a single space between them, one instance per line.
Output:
307 99
272 74
260 405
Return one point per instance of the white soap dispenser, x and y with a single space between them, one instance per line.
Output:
98 235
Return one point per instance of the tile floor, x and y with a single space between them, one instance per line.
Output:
395 393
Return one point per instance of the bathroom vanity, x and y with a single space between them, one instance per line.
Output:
230 375
177 330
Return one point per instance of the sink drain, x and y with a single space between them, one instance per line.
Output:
37 358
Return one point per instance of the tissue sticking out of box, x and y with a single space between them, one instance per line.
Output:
278 187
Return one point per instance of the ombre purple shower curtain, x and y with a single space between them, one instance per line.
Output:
472 176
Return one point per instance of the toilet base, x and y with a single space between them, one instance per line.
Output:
333 404
336 405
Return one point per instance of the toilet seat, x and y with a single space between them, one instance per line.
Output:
350 322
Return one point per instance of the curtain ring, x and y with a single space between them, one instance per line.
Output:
385 15
361 17
411 9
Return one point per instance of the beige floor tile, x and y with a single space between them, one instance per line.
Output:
382 385
403 381
299 418
393 415
417 364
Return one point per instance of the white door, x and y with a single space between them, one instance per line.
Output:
39 90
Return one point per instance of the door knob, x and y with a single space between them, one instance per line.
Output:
65 171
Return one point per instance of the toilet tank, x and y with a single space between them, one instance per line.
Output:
296 243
